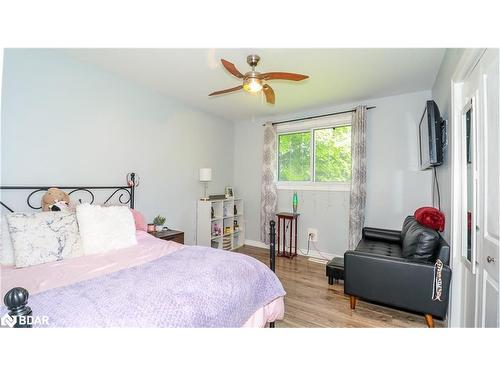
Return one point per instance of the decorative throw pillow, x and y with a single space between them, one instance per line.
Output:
419 242
407 223
6 249
105 228
140 222
430 217
43 237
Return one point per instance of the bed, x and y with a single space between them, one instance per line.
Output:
155 283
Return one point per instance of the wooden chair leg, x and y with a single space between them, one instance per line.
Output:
353 300
429 320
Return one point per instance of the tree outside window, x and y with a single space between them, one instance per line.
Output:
316 155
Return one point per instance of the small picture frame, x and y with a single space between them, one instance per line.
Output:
229 192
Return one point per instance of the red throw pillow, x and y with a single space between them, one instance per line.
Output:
140 222
430 217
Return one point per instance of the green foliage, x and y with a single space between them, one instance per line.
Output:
293 156
332 155
159 220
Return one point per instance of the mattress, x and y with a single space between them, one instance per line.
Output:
47 276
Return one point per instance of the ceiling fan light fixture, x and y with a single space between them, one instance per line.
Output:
252 85
255 82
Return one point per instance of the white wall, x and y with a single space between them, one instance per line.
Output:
66 122
441 94
1 85
395 185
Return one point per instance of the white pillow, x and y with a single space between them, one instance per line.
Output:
105 228
43 237
6 249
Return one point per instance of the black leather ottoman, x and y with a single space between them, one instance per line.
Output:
335 270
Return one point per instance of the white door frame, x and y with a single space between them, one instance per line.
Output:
467 62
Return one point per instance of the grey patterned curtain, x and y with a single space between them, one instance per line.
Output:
268 193
358 176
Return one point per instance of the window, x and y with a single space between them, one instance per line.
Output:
332 154
315 157
294 156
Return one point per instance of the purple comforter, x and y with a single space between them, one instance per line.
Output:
193 287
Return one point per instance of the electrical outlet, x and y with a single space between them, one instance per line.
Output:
312 234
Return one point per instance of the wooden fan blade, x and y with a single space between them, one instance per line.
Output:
284 75
269 92
231 68
226 90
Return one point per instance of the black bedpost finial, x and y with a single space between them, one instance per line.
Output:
132 189
272 244
16 301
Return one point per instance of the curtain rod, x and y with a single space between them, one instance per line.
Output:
311 117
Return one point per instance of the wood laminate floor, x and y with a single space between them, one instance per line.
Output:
311 302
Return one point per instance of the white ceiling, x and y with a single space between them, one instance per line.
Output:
336 75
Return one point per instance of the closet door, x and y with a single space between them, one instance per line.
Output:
488 236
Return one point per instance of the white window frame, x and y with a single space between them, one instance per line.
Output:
312 125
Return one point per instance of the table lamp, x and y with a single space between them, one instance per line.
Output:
205 177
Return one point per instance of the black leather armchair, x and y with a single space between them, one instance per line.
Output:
397 268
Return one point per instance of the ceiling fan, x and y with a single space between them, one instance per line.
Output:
254 82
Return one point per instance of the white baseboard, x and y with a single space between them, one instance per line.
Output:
256 244
312 253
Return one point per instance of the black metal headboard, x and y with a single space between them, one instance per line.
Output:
126 192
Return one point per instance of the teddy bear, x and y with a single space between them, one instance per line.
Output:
55 200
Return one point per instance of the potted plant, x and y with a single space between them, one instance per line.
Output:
159 221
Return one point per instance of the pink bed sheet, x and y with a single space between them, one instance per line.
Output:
46 276
271 312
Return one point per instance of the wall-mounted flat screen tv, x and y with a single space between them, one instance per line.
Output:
430 136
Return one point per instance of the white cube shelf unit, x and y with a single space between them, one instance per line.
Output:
221 224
